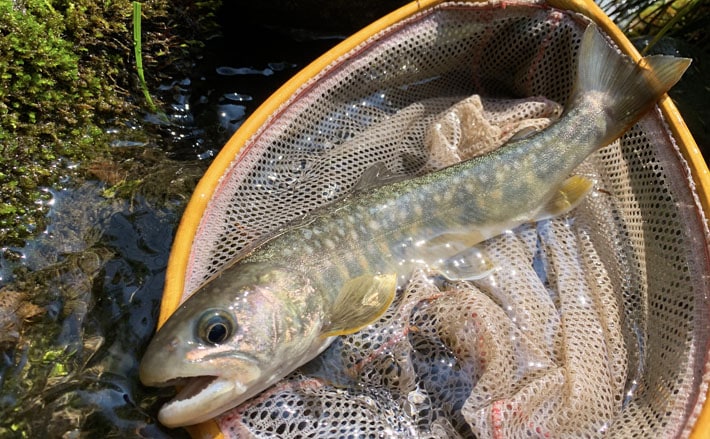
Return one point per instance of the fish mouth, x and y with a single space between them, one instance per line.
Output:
206 388
201 398
191 387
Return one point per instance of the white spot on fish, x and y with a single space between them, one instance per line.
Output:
354 236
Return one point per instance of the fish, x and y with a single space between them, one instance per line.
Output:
337 269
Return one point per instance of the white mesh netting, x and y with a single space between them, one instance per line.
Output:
595 323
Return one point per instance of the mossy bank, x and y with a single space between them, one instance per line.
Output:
67 68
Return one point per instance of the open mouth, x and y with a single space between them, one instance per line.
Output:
203 391
191 387
200 398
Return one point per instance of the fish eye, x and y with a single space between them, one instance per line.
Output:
215 327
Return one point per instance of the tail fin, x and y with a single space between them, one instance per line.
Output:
632 88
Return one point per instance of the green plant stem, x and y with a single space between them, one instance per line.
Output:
669 25
137 43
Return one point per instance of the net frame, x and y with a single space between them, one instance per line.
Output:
281 101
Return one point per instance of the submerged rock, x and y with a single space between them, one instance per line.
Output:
15 308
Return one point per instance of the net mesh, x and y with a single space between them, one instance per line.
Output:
594 324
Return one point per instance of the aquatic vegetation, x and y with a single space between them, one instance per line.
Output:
69 111
138 50
66 68
47 366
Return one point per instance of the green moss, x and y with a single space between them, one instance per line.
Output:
66 67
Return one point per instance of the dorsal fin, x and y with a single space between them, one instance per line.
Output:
375 176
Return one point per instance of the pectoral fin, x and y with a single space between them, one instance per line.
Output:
567 197
361 301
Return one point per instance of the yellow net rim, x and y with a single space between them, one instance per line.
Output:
189 223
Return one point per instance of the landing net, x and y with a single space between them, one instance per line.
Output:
594 324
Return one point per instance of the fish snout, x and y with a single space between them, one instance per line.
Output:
156 361
150 372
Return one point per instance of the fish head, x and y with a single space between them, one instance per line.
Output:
237 335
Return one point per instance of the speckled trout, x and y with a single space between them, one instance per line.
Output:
337 270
